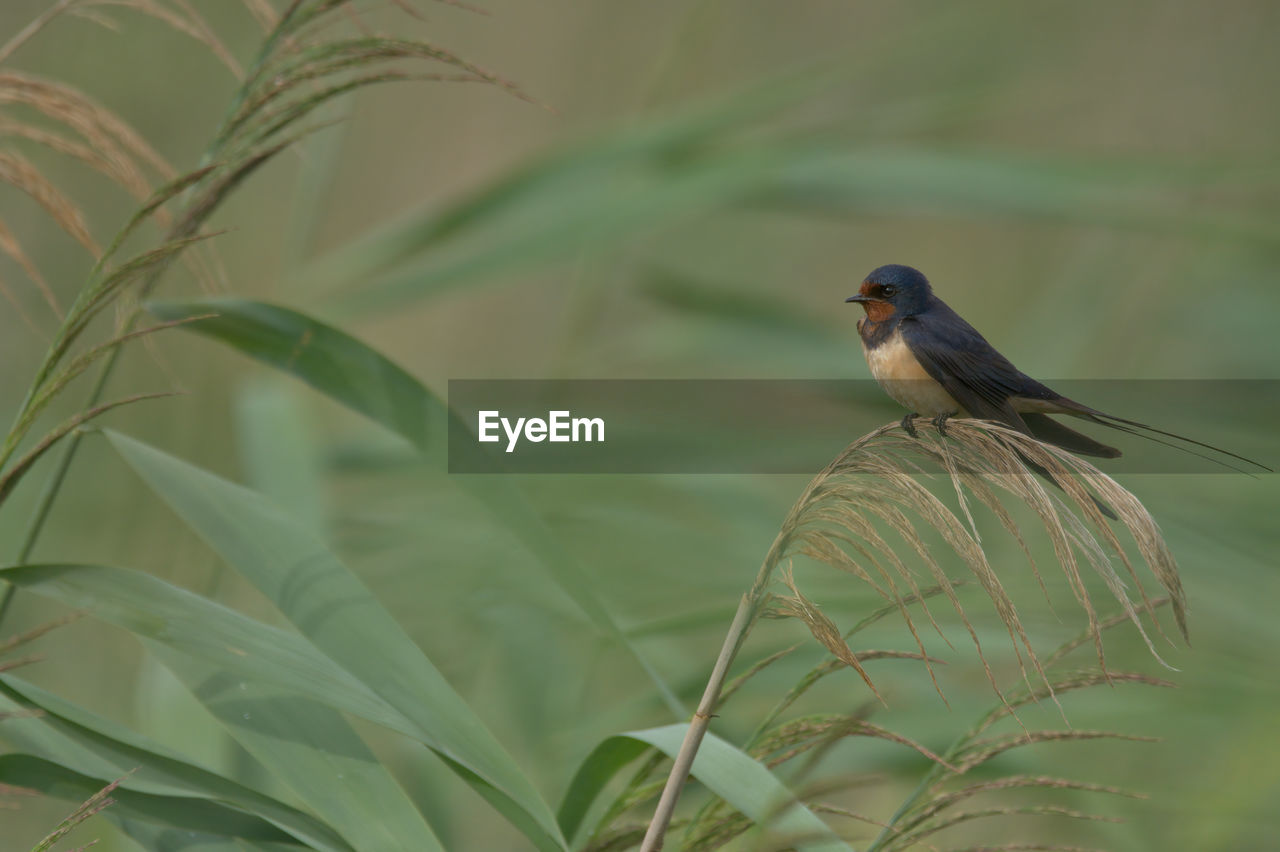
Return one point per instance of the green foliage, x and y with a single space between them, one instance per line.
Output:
735 777
590 200
391 663
352 373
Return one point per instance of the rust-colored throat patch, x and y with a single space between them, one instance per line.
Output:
878 311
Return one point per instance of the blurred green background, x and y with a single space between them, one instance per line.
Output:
1096 184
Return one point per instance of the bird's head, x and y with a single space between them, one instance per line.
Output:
893 291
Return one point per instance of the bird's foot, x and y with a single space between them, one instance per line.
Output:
909 426
940 422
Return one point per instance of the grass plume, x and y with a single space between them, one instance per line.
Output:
302 65
871 502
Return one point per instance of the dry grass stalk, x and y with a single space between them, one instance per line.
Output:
9 245
254 132
873 486
121 170
19 173
929 811
106 132
870 480
263 13
32 29
15 302
15 471
92 806
188 22
804 734
105 143
35 633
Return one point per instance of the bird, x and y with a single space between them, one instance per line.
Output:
925 356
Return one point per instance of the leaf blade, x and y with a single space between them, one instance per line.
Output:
338 614
96 748
291 341
726 770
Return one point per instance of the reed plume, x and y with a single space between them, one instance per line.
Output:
872 501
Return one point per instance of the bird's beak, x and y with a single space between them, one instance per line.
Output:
861 298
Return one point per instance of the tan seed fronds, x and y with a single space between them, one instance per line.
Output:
826 668
106 132
12 790
624 837
836 810
329 63
100 18
981 751
261 11
718 832
36 632
1070 682
19 173
738 682
92 806
922 813
19 662
822 628
359 23
16 303
32 29
796 731
830 666
189 23
976 486
83 361
824 545
458 3
13 474
814 731
409 9
1016 782
968 816
875 484
822 670
639 789
122 171
1085 637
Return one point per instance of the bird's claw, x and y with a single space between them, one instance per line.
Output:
940 422
909 426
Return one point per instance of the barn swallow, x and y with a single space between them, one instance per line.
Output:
930 360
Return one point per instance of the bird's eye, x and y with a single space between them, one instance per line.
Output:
888 290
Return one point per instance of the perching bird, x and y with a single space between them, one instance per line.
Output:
937 365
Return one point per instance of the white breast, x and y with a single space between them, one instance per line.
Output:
902 377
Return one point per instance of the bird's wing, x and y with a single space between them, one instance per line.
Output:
972 371
1051 431
986 383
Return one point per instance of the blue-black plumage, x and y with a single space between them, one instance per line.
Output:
933 362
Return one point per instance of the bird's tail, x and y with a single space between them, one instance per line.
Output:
1046 429
1133 427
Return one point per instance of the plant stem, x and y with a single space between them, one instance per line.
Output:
748 608
54 483
742 621
186 227
25 34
